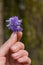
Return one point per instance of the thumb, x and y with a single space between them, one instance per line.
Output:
5 47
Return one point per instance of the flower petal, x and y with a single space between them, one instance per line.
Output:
14 24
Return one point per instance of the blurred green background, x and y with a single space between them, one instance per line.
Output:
31 12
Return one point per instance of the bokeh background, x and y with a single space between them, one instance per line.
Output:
31 12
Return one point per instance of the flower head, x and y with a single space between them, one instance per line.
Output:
14 24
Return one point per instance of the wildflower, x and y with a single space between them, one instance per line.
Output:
14 24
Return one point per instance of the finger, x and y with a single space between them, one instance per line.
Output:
19 35
19 54
5 47
24 59
2 60
17 46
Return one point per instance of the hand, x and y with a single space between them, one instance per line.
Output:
12 51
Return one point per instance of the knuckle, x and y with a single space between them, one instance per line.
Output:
26 58
29 61
21 44
26 52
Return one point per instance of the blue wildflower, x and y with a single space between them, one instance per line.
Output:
14 24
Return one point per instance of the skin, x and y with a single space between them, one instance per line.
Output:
12 51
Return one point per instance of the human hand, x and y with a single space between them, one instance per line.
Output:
12 51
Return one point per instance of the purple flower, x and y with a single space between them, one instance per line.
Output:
14 24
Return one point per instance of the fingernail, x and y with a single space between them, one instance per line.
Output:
13 35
